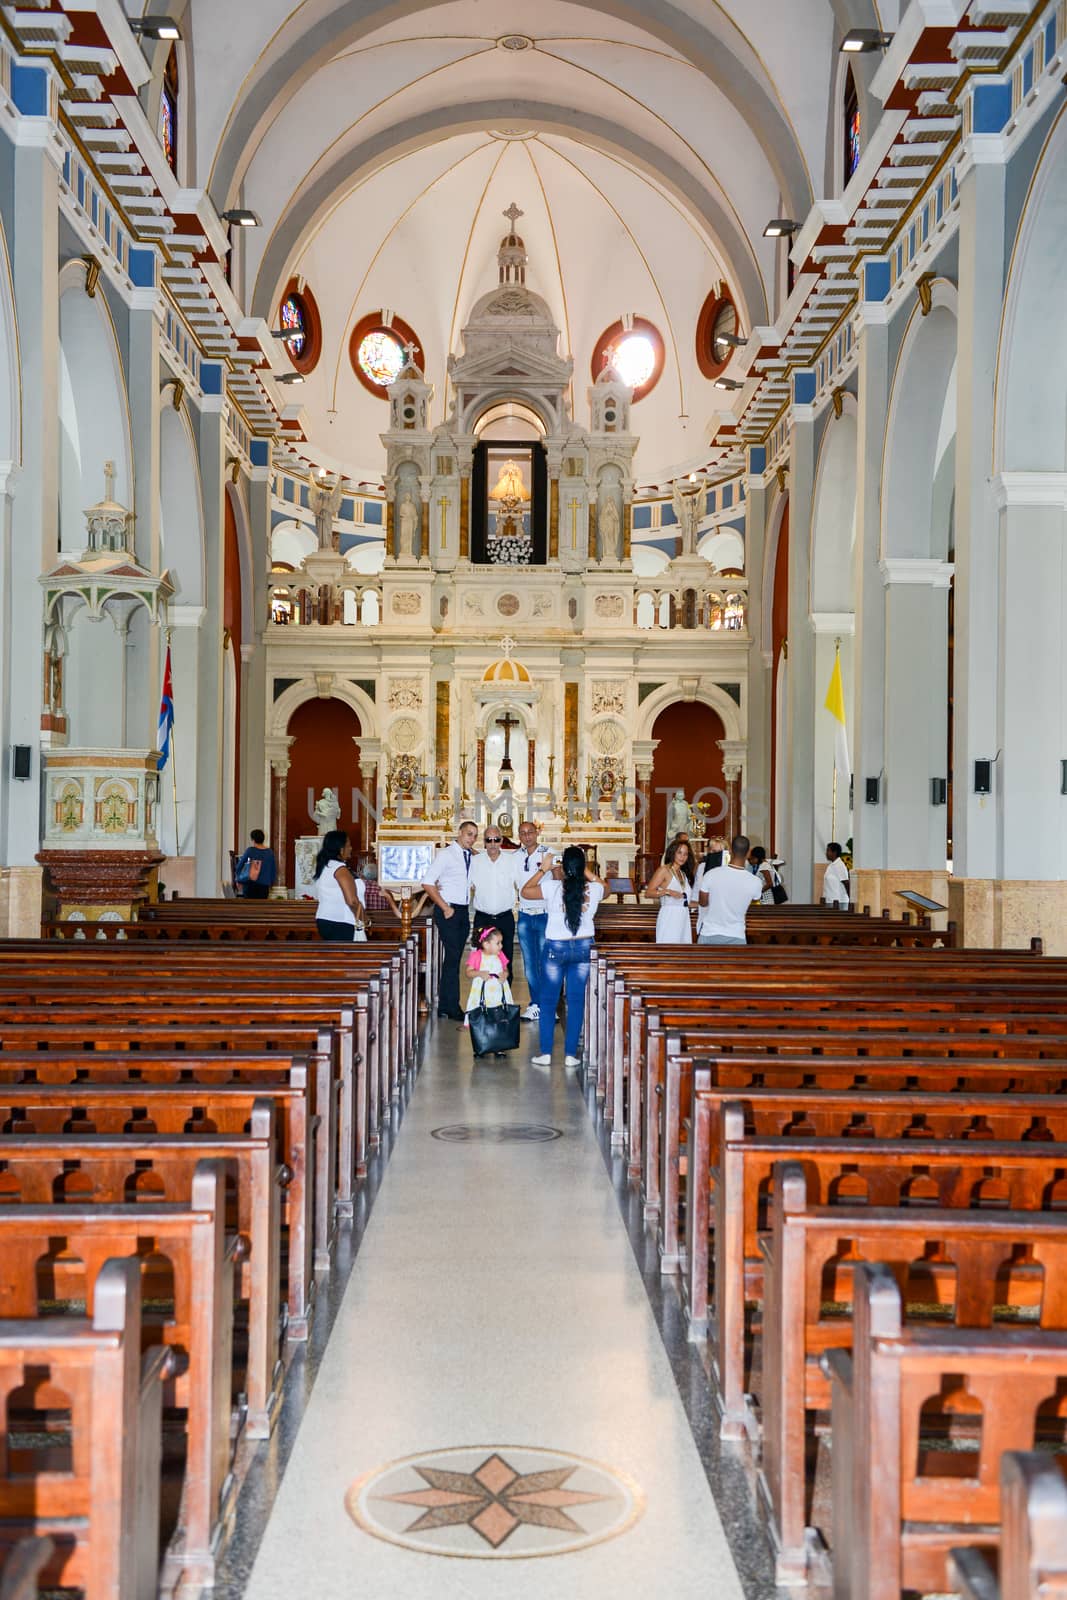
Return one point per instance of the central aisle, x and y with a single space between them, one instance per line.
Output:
495 1327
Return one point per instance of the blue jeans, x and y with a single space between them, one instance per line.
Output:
565 961
532 945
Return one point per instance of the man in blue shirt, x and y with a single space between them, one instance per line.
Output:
256 872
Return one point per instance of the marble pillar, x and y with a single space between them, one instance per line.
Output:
755 814
211 870
800 724
916 710
868 734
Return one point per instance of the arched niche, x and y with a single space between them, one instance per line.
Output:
290 542
1031 394
921 429
687 757
323 753
94 412
724 548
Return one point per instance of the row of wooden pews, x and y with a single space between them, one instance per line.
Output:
855 1160
181 1126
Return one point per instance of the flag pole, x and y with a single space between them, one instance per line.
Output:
174 773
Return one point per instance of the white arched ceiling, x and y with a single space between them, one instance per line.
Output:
94 420
1031 391
181 515
291 542
833 523
725 547
920 433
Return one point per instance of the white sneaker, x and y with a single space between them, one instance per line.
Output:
572 1061
540 1061
531 1014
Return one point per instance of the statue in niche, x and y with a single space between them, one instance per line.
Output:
610 531
325 498
678 815
688 506
327 812
408 519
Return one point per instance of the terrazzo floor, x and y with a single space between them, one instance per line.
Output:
494 1411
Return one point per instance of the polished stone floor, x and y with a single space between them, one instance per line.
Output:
496 1399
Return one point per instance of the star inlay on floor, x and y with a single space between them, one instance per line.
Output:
485 1502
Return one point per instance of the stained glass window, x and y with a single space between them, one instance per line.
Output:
381 356
634 359
853 127
294 321
168 112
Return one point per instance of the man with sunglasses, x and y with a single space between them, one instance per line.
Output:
493 884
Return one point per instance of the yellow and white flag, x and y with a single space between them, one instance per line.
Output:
835 705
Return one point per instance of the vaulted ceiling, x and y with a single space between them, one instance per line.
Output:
646 141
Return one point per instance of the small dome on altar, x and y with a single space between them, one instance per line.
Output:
506 671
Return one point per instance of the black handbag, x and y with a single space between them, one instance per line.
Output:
494 1029
779 895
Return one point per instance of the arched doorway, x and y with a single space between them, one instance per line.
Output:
323 752
687 757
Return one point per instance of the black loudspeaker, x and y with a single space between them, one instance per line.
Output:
21 760
938 791
871 787
983 777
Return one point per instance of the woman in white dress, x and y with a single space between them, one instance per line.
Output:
672 886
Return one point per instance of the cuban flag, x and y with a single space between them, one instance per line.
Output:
166 715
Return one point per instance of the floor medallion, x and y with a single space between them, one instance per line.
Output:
494 1502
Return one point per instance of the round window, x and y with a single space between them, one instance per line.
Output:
717 324
378 352
636 352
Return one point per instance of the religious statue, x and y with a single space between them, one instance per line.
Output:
408 519
327 812
688 505
325 501
610 529
678 815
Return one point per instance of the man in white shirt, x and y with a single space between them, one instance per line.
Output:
493 882
726 893
835 878
448 886
525 862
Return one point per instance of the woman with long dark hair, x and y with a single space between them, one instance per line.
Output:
340 895
672 886
572 892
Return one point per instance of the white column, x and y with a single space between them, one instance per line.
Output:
255 686
981 245
211 442
868 739
800 741
31 533
143 651
180 773
831 822
1031 739
916 709
756 790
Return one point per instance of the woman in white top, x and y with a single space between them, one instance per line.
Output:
341 897
672 886
572 892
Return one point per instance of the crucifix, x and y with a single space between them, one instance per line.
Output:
507 722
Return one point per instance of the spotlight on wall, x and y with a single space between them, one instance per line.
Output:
728 383
939 791
238 217
736 341
285 334
288 377
780 228
861 41
154 27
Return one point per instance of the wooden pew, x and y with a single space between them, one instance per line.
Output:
877 1172
102 1509
1033 1536
119 1169
92 1108
900 1504
57 1253
964 1264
